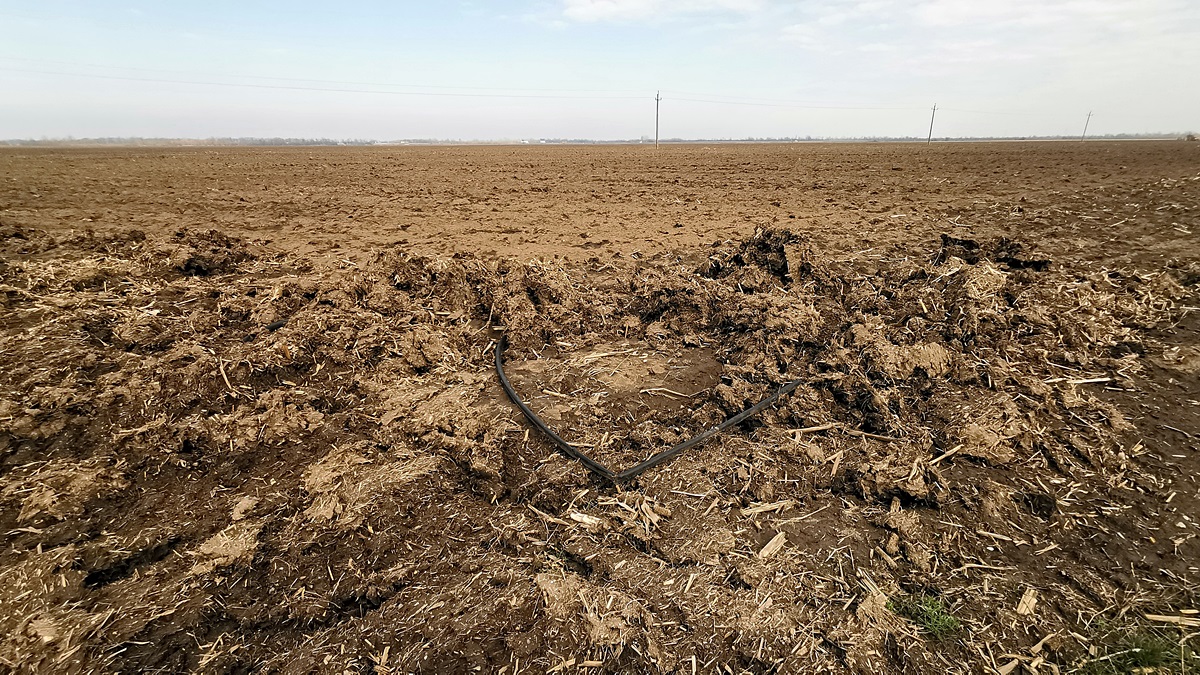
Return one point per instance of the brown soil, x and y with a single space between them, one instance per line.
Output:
249 421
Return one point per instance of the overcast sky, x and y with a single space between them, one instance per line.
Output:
590 68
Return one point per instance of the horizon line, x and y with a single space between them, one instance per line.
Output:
296 141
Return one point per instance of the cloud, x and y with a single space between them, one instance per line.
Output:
1037 13
986 39
635 10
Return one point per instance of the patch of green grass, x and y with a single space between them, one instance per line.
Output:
927 612
1139 649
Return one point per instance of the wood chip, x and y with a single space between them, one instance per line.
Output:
1190 622
1037 649
1028 602
837 462
763 508
548 518
993 535
865 434
891 562
819 427
946 454
665 392
593 357
221 367
773 546
980 566
1049 548
589 521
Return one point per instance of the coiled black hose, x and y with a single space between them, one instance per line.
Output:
633 471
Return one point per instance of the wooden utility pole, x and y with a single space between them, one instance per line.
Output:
657 98
1085 126
930 139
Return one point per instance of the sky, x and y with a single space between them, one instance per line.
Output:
475 70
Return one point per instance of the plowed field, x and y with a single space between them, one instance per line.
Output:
250 419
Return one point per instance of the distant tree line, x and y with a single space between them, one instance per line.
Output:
255 141
280 141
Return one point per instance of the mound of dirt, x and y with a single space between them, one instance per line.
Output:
216 457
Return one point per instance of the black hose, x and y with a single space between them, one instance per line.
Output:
632 472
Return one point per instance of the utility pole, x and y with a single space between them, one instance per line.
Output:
1085 126
930 139
657 98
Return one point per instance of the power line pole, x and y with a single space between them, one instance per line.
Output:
657 98
1085 126
933 115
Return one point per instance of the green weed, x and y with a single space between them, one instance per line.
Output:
1139 649
927 612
